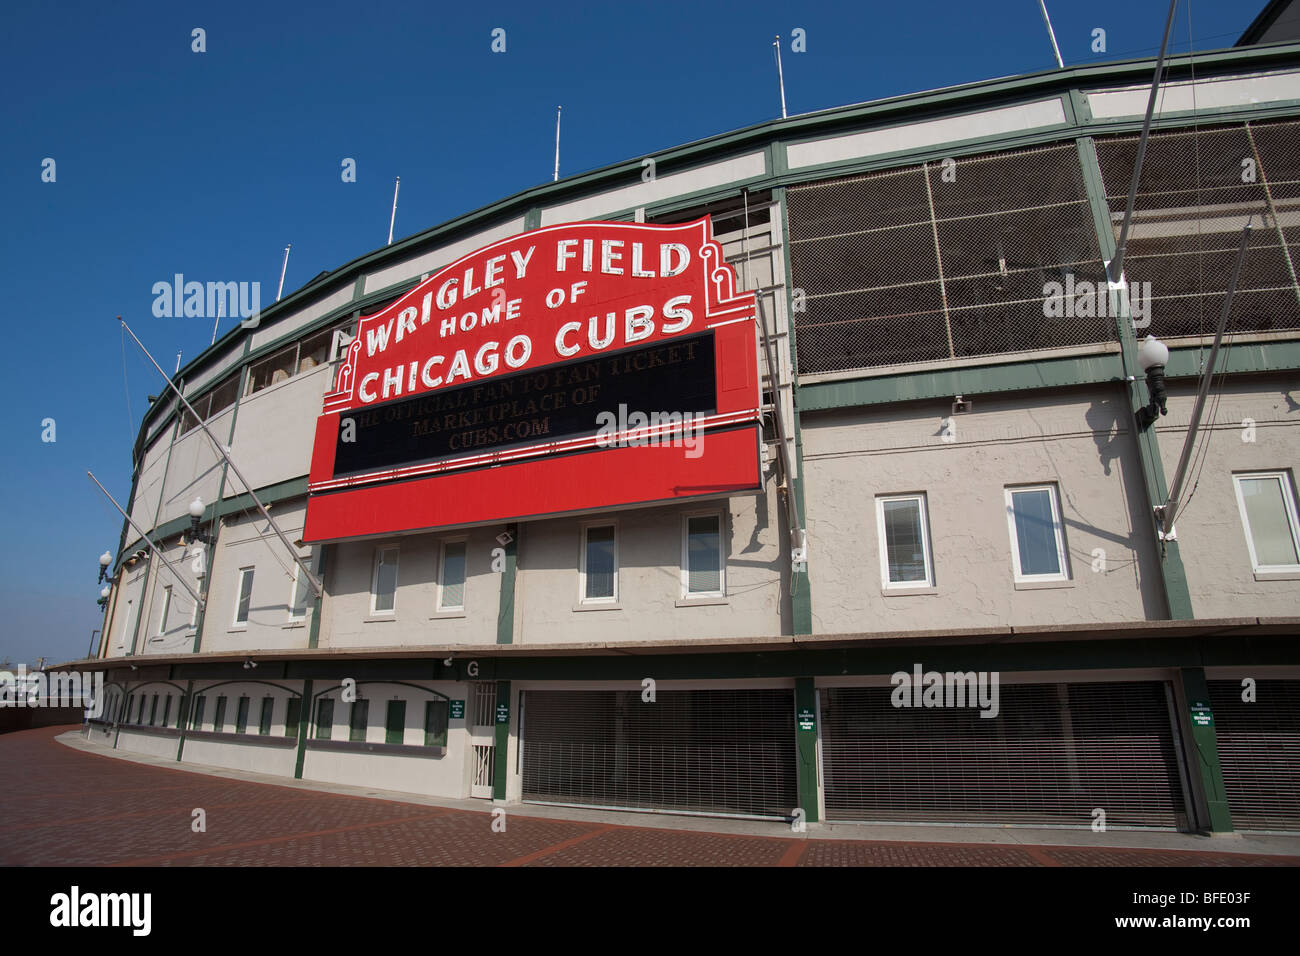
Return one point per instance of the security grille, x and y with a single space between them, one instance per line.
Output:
713 751
941 261
1054 754
1196 192
1259 751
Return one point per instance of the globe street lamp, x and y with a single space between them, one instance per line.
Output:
1153 356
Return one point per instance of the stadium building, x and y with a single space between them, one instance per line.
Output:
809 477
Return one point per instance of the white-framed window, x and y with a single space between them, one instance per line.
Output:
244 595
300 592
598 563
1266 500
383 587
903 526
166 609
451 575
1037 541
704 567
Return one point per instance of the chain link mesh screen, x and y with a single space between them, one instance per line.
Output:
1195 194
945 260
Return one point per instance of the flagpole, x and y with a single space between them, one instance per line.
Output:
556 177
393 218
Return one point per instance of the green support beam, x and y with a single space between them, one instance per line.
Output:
322 561
1203 749
805 733
500 753
1172 573
509 574
304 728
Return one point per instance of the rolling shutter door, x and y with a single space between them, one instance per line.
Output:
1259 751
709 751
1054 753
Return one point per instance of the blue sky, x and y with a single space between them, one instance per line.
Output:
207 164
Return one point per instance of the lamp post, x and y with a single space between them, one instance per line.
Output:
196 512
1153 356
104 592
105 560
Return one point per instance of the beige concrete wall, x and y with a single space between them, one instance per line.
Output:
650 603
1079 439
348 621
1211 534
275 430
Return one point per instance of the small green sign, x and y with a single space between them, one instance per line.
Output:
1201 714
457 710
503 713
806 719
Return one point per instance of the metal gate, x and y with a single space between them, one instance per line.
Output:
702 751
1259 751
482 738
1054 755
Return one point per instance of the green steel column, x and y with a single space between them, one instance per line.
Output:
800 583
1172 573
506 610
805 707
304 726
313 638
500 753
182 718
1203 752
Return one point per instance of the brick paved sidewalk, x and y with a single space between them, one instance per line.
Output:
67 807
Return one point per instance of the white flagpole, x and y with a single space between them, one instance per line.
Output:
1051 33
282 271
780 75
393 218
556 177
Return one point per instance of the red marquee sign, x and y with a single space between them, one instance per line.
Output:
571 368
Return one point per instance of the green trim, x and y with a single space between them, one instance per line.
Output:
363 683
358 289
1201 747
805 700
501 750
1172 573
183 718
506 607
800 581
305 719
1236 358
532 219
269 494
1016 376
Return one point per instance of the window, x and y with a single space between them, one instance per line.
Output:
360 715
395 722
383 591
273 370
245 595
451 581
292 716
1268 514
196 721
435 723
315 350
153 711
166 606
241 716
219 718
1037 544
703 574
130 700
264 722
210 404
301 592
598 565
167 710
324 718
904 535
